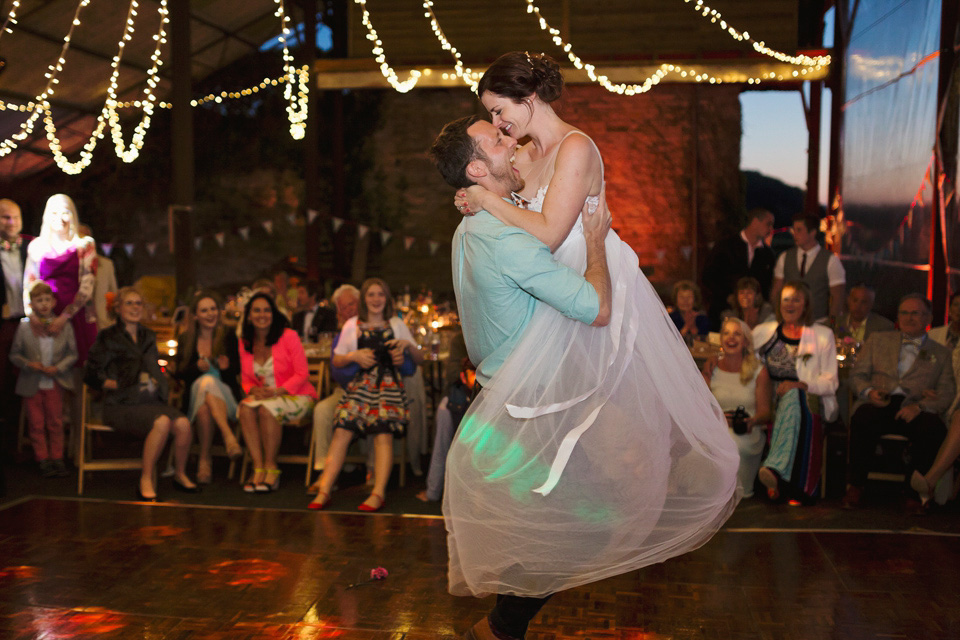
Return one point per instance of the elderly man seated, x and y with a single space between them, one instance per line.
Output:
860 321
904 382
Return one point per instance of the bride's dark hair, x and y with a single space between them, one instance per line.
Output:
519 74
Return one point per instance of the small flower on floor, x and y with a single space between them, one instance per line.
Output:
375 574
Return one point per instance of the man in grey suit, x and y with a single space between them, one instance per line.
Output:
13 256
892 373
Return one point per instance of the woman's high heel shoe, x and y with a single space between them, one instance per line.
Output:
919 484
371 508
253 485
234 450
275 484
320 502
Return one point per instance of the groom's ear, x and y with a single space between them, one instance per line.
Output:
476 169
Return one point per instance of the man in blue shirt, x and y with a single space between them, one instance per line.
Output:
500 274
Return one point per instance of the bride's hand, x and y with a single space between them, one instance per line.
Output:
470 200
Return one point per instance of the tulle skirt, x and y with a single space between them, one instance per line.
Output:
593 451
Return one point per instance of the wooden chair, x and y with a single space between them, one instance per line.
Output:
91 423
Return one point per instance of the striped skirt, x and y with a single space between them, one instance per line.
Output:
374 403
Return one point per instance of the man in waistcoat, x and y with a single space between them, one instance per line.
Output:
13 256
820 269
744 254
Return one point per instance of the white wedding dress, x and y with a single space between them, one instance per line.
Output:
593 451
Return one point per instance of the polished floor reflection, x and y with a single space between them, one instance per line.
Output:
92 569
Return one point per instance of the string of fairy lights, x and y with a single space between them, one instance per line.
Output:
296 80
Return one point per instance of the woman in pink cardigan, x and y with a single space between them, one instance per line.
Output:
273 372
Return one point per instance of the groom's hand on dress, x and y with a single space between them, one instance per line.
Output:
597 224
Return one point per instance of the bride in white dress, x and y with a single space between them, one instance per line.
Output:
593 451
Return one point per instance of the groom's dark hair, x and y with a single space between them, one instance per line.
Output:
454 149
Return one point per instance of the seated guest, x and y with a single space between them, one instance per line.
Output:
46 367
208 365
346 300
860 321
949 334
274 375
374 403
747 303
686 314
449 413
949 451
740 383
801 358
314 316
123 363
893 371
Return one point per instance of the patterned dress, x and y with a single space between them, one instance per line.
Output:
375 401
797 436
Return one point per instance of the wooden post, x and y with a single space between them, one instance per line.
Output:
181 149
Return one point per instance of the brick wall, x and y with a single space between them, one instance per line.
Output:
650 143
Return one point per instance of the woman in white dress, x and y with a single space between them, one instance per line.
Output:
594 450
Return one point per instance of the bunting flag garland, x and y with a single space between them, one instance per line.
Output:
337 223
661 255
687 251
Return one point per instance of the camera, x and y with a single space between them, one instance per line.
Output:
740 421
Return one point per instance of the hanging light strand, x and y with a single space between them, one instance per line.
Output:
381 58
11 18
53 71
297 106
760 47
466 74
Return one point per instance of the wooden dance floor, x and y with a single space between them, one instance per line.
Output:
90 569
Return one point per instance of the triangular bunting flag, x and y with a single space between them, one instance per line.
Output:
268 226
362 230
197 243
244 233
385 237
292 218
129 249
434 245
336 223
311 216
687 252
408 242
220 237
107 247
151 248
661 254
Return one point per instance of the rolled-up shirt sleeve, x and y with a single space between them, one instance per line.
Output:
530 265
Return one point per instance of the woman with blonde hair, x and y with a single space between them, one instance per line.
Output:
741 385
66 262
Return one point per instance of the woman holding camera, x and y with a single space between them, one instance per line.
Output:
801 358
374 404
741 385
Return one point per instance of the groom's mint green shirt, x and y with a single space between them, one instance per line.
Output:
499 274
